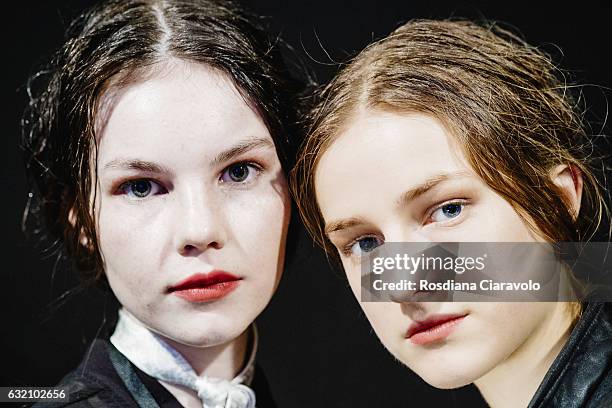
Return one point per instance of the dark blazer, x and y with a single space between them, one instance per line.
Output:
105 378
581 375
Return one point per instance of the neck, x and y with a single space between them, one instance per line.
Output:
223 361
514 382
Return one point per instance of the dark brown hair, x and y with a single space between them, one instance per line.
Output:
115 43
506 103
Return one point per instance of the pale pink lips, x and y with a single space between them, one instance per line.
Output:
434 328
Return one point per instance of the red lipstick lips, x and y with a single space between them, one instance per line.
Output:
206 287
434 328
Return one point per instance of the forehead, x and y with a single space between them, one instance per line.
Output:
180 108
379 155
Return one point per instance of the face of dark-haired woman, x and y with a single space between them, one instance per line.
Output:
192 204
391 177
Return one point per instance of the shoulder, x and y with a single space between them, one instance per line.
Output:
94 383
581 375
602 397
595 366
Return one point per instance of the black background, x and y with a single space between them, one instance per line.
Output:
317 349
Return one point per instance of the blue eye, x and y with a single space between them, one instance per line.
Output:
239 173
140 188
364 245
447 212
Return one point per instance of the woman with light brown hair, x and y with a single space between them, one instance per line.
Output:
448 131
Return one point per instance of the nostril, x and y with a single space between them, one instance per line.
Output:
194 249
189 249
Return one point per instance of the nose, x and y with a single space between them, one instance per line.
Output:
422 262
200 223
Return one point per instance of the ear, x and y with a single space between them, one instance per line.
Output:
569 179
72 220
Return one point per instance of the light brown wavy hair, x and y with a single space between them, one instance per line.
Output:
504 101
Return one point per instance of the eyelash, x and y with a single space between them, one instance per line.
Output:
461 202
124 185
251 164
347 248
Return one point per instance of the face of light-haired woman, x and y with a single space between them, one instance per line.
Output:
401 178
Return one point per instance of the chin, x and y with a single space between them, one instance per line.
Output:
212 331
446 373
446 380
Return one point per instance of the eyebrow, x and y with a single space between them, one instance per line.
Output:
136 164
427 185
151 167
241 148
342 224
406 197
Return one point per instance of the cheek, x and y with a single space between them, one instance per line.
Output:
384 317
502 223
127 255
258 225
512 321
387 321
353 276
501 328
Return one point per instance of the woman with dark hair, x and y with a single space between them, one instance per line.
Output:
157 143
450 132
